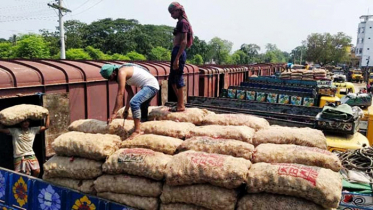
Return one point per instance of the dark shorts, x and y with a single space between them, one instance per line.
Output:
176 75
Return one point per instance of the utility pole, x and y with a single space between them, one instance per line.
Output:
367 69
62 31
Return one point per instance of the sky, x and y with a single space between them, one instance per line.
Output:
282 22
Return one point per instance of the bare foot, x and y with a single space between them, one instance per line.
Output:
134 134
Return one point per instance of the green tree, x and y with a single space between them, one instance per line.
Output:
53 41
74 33
77 54
160 54
240 57
119 57
327 49
32 46
251 50
159 35
219 50
96 54
6 50
199 47
298 54
197 60
100 34
135 56
273 54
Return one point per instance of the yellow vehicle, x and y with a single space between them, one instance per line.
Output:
329 99
356 76
342 143
344 88
366 124
371 78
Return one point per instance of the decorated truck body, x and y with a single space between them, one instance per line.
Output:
18 191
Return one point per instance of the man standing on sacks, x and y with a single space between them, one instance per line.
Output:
183 39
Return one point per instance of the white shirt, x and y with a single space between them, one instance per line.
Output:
141 78
23 141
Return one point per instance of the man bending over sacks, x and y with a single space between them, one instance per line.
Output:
128 75
25 160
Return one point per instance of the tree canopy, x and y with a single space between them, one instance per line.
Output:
127 39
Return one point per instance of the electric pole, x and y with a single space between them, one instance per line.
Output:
62 31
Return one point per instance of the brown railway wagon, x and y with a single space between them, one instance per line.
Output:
90 95
215 77
71 90
74 90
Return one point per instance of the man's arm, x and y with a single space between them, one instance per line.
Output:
130 94
4 130
120 95
47 122
183 43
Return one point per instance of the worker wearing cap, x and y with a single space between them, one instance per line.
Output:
131 75
183 39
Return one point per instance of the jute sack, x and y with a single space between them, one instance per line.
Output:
256 123
207 196
208 144
165 144
122 128
291 135
167 128
86 145
85 186
146 203
192 167
18 113
322 186
289 153
192 115
126 184
120 112
137 161
89 126
241 133
265 201
181 206
74 168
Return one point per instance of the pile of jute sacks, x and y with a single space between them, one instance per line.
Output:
197 160
303 74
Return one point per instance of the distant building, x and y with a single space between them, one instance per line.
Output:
364 45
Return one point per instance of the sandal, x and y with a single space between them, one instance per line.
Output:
175 109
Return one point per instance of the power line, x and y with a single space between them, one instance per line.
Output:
21 6
28 18
87 8
36 13
81 5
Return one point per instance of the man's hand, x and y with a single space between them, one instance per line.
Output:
111 118
125 115
175 65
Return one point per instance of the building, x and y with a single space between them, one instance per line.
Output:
364 45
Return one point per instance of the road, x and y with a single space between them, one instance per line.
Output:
359 86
